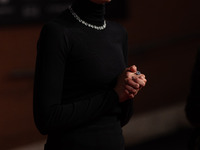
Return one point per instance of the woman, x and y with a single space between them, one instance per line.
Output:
83 91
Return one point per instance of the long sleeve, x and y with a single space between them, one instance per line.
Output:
127 106
193 102
50 113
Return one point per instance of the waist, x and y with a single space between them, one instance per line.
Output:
94 134
108 123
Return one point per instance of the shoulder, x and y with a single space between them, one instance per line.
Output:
58 25
51 34
116 27
52 28
117 30
54 31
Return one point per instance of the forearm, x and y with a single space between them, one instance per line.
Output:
54 117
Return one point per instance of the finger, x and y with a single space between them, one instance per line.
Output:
136 77
141 82
131 96
130 89
133 68
132 83
127 92
131 74
143 78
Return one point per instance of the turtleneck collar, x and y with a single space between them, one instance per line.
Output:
90 12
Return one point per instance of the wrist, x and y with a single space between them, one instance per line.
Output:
121 97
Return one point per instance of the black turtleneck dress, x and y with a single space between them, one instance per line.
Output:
76 70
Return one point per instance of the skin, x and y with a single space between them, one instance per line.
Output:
128 84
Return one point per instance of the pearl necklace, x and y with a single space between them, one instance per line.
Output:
85 23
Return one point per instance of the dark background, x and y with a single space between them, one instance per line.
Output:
163 39
34 11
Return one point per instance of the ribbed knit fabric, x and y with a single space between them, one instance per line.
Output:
76 70
90 12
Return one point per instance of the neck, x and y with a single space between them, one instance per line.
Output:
90 12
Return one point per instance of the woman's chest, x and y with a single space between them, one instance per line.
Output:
95 57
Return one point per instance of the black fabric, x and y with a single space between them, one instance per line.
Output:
193 105
76 70
193 101
89 12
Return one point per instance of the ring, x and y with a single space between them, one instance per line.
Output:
138 73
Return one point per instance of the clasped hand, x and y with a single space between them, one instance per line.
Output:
129 83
